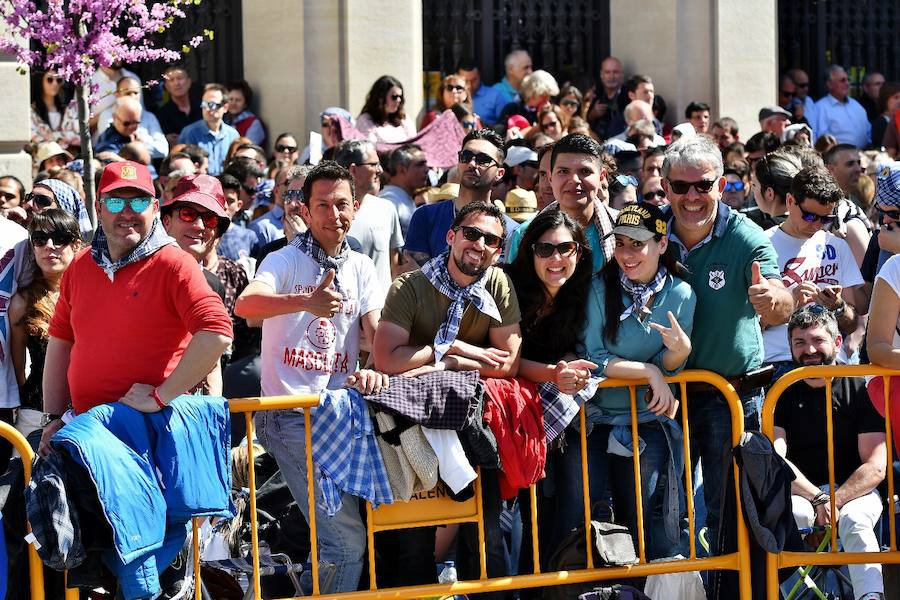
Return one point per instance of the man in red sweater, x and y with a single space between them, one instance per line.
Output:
136 321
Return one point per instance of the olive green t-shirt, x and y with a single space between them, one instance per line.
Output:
416 306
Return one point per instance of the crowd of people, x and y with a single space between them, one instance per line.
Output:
582 234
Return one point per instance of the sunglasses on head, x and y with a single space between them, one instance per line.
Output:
703 186
117 205
473 234
811 217
289 149
454 88
189 214
210 105
624 180
737 186
481 159
39 200
60 238
546 249
649 196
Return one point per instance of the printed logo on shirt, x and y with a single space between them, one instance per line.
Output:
310 360
818 272
717 279
321 333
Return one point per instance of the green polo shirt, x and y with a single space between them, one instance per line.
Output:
727 338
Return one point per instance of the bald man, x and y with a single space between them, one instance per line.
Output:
638 110
518 65
149 131
123 130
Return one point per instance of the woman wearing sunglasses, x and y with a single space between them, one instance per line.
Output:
383 118
639 318
454 90
55 193
571 102
55 239
551 275
52 120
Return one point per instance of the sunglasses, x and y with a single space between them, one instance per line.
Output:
549 124
481 159
396 97
59 237
454 88
469 125
117 205
326 124
189 214
294 195
737 186
624 180
6 196
811 217
569 103
209 105
131 123
473 234
290 149
704 186
787 94
802 85
39 200
649 196
546 249
892 214
54 79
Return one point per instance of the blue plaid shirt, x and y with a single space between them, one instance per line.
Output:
345 452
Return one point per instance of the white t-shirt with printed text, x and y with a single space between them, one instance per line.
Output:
303 353
823 259
890 272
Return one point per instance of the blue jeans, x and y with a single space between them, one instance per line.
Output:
710 437
341 538
617 472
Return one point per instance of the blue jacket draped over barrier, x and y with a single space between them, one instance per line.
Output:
153 472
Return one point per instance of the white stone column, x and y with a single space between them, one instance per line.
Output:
722 52
15 121
303 56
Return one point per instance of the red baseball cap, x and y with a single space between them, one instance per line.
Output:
126 174
205 191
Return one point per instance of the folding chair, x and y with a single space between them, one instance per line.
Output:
813 576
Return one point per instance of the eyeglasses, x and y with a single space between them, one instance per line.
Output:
546 249
60 238
130 123
736 186
549 124
624 180
294 195
569 103
326 124
289 149
189 214
452 88
396 97
704 186
473 234
39 200
6 196
649 196
811 217
481 159
891 214
117 205
210 105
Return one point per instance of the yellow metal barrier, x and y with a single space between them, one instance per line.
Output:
796 559
425 511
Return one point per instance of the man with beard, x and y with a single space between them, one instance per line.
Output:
459 313
480 167
860 452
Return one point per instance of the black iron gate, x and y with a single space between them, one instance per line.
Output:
569 38
859 35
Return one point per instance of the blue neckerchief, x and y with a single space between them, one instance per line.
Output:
156 239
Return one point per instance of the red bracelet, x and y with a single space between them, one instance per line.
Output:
155 395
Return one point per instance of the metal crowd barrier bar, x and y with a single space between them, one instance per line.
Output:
426 511
35 566
796 559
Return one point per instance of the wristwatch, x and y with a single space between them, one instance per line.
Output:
46 418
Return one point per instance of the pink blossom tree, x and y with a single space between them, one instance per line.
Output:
75 37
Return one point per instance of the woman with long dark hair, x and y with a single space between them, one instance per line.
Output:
52 120
55 239
639 318
383 118
551 275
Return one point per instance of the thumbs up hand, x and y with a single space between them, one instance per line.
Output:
760 292
323 301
